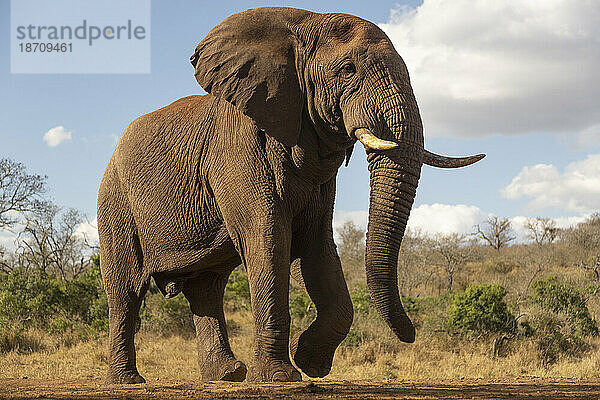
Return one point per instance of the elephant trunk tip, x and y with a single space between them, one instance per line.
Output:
404 330
398 321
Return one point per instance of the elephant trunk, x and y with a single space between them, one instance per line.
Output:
393 188
394 178
393 139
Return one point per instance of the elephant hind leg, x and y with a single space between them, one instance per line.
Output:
124 282
215 357
123 312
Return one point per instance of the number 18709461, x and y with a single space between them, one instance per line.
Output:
41 47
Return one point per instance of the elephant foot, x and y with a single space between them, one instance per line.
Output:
123 377
313 357
274 371
230 370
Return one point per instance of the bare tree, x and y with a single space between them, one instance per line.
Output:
50 242
541 230
584 240
585 237
351 246
497 232
8 261
593 265
455 251
415 261
19 191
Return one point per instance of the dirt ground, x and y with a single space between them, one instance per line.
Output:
515 389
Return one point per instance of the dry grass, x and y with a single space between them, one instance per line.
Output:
174 358
432 359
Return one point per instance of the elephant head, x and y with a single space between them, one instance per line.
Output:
341 74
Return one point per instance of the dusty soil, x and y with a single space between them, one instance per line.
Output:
515 389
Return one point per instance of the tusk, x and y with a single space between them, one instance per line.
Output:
435 160
371 141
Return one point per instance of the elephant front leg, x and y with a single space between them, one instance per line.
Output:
267 259
313 349
215 358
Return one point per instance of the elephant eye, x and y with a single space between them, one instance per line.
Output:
348 69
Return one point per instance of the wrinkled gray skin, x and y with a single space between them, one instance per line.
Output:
246 175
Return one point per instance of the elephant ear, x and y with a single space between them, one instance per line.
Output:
249 60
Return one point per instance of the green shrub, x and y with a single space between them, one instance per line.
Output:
356 337
480 310
66 333
29 297
552 341
167 316
84 300
36 299
429 313
525 329
59 326
97 313
302 309
237 291
361 300
412 305
80 293
562 322
561 298
12 309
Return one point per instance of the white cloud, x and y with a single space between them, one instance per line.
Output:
430 219
577 189
7 240
89 231
510 67
360 218
56 136
445 218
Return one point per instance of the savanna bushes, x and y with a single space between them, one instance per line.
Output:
551 312
458 290
71 310
537 301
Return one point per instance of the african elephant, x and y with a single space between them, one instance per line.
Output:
246 175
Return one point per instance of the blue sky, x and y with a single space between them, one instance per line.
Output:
517 82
